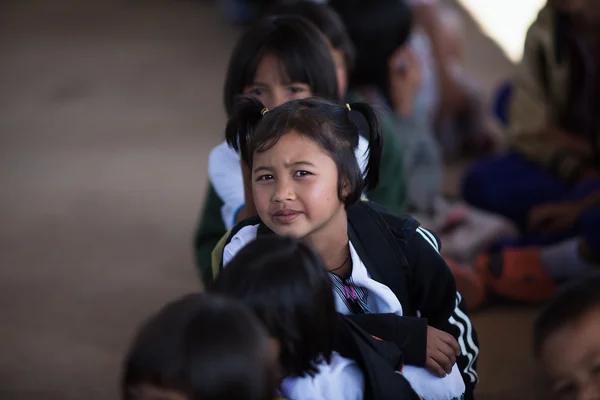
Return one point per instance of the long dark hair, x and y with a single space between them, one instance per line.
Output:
334 127
326 20
299 46
286 283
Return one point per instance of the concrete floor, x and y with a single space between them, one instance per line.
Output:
107 112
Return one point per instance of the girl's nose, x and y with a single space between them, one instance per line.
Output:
283 192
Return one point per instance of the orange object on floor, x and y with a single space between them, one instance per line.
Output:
470 283
517 274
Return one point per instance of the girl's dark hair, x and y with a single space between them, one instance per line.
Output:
326 20
572 302
335 128
204 347
377 29
297 43
285 282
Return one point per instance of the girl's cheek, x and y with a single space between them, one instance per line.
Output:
261 199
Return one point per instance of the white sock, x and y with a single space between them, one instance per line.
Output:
562 260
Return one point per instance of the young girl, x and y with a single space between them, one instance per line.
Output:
307 184
176 355
280 58
286 284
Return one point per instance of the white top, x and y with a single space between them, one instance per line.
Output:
431 387
381 300
225 174
340 379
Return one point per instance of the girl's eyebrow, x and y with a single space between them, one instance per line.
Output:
297 163
261 168
264 168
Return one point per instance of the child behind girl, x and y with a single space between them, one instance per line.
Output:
201 348
307 184
389 77
286 284
278 59
329 24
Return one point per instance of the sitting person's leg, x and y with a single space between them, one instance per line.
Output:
530 273
511 186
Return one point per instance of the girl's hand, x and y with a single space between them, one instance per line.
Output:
442 350
554 218
405 80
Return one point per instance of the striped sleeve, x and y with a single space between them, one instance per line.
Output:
436 298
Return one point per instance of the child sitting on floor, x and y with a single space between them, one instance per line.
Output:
549 183
306 183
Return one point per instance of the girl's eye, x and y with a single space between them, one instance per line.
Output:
256 91
264 178
296 89
301 173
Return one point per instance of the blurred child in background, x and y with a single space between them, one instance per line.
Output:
566 340
549 184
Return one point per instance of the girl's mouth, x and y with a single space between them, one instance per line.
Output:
285 216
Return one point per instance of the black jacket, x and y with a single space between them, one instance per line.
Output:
405 257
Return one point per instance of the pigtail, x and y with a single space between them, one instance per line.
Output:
242 124
375 137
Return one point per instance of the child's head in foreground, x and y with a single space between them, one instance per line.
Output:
567 340
329 23
302 158
201 347
280 58
286 284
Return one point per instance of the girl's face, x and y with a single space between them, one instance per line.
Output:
571 358
295 186
273 87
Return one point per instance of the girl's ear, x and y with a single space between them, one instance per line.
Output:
345 189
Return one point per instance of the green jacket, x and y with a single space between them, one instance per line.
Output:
209 231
